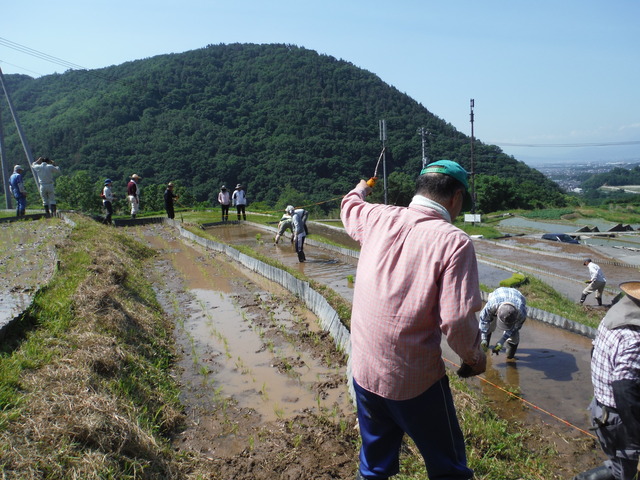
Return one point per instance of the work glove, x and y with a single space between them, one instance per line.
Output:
465 371
484 344
496 349
587 281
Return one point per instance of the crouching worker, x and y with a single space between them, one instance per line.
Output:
615 375
506 310
417 279
283 225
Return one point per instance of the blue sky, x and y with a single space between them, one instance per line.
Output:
542 74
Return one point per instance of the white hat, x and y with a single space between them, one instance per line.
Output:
17 167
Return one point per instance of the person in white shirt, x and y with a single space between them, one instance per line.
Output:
46 169
239 198
107 201
596 282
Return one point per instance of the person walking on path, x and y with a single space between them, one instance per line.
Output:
16 185
224 199
596 282
417 279
615 375
298 223
506 309
133 194
169 198
239 198
46 170
107 201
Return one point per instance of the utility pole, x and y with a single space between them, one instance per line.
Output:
473 182
25 145
423 133
5 169
383 139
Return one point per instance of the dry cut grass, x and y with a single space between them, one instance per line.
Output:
91 394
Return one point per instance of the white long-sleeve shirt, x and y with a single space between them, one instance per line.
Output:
45 172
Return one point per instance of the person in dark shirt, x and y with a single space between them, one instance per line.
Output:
169 197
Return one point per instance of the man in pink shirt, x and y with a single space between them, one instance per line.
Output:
417 278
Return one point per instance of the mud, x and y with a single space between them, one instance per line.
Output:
263 387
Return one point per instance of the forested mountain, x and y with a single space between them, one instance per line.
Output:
273 117
614 178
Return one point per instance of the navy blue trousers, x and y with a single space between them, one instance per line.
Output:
429 419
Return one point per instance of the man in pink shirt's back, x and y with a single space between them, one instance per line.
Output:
417 278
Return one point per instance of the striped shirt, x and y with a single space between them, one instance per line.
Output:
616 356
496 298
417 278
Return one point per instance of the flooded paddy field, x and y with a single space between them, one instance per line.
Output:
256 371
27 261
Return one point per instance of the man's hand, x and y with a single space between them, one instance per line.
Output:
466 370
365 186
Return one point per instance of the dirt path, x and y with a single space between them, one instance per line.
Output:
264 389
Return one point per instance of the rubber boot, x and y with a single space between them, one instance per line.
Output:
301 257
583 298
54 210
599 473
47 212
599 301
511 350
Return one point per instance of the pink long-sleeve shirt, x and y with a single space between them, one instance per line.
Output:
417 278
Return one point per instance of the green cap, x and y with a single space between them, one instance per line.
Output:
454 170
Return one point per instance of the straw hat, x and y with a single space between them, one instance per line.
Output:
631 288
135 176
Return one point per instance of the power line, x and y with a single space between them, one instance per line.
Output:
21 68
546 145
41 55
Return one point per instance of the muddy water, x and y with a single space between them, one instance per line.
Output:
230 325
551 370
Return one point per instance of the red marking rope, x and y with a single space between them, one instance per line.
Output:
562 420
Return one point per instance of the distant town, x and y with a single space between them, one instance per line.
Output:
570 175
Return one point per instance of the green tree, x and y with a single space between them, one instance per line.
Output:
79 192
495 193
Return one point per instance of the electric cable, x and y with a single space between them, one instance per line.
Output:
547 145
41 55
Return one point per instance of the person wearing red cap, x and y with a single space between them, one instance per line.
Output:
417 279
